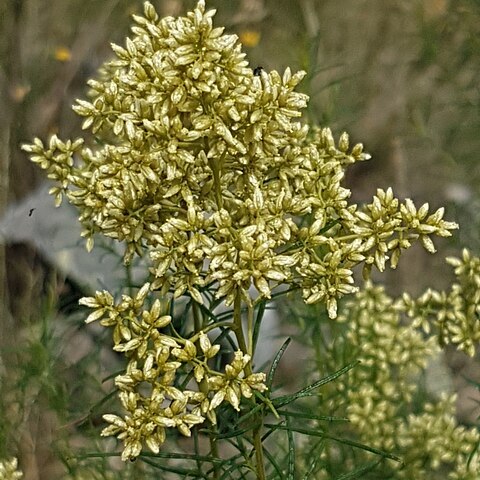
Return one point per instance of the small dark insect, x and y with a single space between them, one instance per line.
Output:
30 212
257 71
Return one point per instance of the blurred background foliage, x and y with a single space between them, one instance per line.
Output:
399 76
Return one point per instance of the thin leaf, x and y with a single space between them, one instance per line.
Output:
286 399
345 441
291 453
311 468
197 449
282 293
227 475
250 413
258 323
276 361
358 472
328 226
471 382
472 453
226 334
81 421
170 455
316 71
268 403
177 470
309 416
230 463
112 375
233 433
273 462
332 83
207 312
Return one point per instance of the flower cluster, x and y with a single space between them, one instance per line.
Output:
389 354
380 393
204 167
433 439
155 360
9 470
454 315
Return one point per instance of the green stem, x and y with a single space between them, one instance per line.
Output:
197 317
214 452
258 446
257 431
196 447
128 279
238 325
250 313
211 327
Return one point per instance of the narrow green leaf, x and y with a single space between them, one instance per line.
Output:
231 434
146 454
227 335
273 462
472 453
345 441
311 468
291 453
328 226
276 361
227 475
112 375
196 448
250 413
258 322
471 381
207 312
268 403
84 419
286 399
282 293
358 472
231 464
309 416
177 470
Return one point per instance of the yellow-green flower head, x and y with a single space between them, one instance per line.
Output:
9 470
207 168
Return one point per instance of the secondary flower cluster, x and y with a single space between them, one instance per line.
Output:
155 359
454 315
380 394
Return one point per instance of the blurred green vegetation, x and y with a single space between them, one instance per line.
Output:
400 76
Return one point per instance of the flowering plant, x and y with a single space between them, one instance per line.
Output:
201 165
382 397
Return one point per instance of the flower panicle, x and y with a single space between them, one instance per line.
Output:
206 170
158 358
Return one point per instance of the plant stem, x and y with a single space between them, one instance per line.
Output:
128 278
250 313
214 453
197 317
257 431
237 321
257 445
